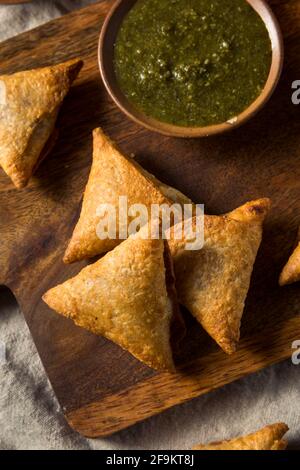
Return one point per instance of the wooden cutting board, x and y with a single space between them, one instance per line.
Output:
101 388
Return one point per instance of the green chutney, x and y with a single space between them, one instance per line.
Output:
192 62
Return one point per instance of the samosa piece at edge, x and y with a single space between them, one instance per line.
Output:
29 105
291 271
268 438
129 297
213 283
113 175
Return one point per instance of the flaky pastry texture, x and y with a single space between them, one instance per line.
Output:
213 282
124 297
268 438
113 175
29 105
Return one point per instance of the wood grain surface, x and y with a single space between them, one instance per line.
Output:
101 388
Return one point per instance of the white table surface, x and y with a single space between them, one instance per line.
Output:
30 417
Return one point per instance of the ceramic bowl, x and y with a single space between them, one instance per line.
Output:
107 40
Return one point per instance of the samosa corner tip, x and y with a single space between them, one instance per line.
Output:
73 68
253 211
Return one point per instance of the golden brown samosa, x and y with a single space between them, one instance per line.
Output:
291 271
113 175
129 297
213 282
268 438
29 105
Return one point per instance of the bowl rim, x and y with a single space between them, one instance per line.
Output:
122 102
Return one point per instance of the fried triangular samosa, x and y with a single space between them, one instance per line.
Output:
112 176
268 438
213 282
291 271
129 297
29 105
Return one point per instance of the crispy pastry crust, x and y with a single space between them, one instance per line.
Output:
113 175
212 283
268 438
29 105
125 297
291 271
253 211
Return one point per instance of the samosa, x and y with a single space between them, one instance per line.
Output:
129 297
114 175
213 282
29 105
291 271
268 438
